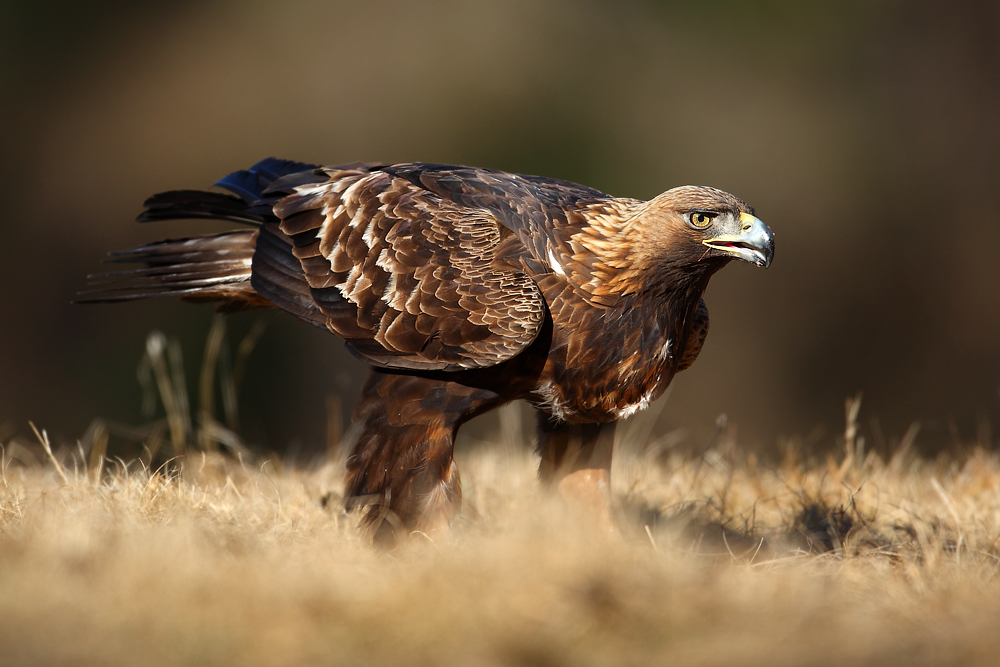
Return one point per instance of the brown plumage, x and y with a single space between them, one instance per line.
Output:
464 289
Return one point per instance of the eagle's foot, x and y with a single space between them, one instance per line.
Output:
588 494
576 459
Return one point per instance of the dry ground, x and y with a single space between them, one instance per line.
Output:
722 560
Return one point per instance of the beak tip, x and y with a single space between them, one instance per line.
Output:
767 256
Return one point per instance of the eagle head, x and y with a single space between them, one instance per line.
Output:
692 225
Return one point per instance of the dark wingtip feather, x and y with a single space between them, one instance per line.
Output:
250 183
243 183
191 204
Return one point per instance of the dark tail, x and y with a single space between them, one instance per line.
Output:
214 267
205 268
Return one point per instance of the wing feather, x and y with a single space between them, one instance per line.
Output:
411 279
557 222
699 331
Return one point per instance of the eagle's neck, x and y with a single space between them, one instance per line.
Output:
668 302
633 252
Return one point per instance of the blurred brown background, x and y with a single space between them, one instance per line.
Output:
866 134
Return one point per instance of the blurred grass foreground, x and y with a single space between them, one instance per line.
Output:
220 558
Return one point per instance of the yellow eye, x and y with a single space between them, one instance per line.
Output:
700 219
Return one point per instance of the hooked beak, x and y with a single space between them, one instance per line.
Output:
754 243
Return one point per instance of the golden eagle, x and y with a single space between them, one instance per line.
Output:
463 289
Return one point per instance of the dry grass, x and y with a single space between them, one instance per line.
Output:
722 561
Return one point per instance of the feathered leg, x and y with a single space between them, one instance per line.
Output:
401 466
576 459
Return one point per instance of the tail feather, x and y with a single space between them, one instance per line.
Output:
207 273
205 268
218 267
210 247
169 272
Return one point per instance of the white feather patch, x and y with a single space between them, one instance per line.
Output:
312 189
551 401
554 263
629 410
